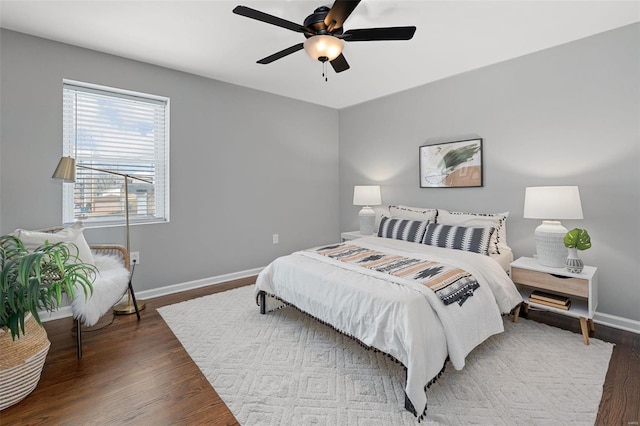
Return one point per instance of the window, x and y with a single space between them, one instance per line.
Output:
118 131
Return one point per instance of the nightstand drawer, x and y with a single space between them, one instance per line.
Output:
568 285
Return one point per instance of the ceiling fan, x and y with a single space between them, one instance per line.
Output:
324 33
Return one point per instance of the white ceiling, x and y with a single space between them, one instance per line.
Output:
206 38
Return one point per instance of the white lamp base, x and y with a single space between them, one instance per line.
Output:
367 221
550 244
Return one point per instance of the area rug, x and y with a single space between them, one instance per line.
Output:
284 368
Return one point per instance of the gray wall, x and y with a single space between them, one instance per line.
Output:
244 164
568 115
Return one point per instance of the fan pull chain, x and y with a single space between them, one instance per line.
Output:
324 71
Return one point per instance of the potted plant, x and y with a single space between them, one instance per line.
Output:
574 240
32 281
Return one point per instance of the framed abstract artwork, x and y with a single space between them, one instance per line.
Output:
451 165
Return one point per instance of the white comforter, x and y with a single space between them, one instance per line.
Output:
397 316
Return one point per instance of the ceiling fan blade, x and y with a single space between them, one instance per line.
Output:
269 19
339 13
281 54
375 34
340 64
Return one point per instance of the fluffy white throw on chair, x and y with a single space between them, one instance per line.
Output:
108 288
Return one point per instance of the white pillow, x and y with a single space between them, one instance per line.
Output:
72 235
413 213
476 220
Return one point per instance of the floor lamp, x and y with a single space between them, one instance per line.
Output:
66 171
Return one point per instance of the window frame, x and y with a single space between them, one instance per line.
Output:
70 147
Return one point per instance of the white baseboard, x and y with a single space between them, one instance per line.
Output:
190 285
613 321
620 323
65 311
61 312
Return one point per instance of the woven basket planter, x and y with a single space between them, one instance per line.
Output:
21 362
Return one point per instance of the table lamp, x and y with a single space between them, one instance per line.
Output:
551 203
367 196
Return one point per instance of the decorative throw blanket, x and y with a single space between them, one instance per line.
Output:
449 283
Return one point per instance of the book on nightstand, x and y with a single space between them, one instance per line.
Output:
549 299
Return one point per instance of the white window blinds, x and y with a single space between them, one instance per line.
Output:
122 132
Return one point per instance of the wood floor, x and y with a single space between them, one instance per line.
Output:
138 373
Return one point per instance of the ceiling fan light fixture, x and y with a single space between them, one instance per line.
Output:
323 47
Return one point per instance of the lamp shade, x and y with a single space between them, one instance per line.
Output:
366 195
552 202
66 169
323 47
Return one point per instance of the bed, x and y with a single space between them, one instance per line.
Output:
396 313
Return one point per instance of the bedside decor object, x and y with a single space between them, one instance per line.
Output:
367 196
552 203
451 165
574 240
32 281
66 171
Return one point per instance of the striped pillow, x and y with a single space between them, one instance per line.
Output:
402 229
459 237
480 220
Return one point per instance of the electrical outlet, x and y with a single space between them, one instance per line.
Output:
135 257
275 239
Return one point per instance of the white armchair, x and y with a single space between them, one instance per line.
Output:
110 284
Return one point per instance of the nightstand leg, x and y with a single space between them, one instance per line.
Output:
585 330
516 313
592 326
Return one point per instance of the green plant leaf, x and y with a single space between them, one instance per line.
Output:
577 238
35 281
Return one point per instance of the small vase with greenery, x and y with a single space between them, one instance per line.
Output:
32 281
574 240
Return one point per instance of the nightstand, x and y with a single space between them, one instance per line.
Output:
582 289
351 235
